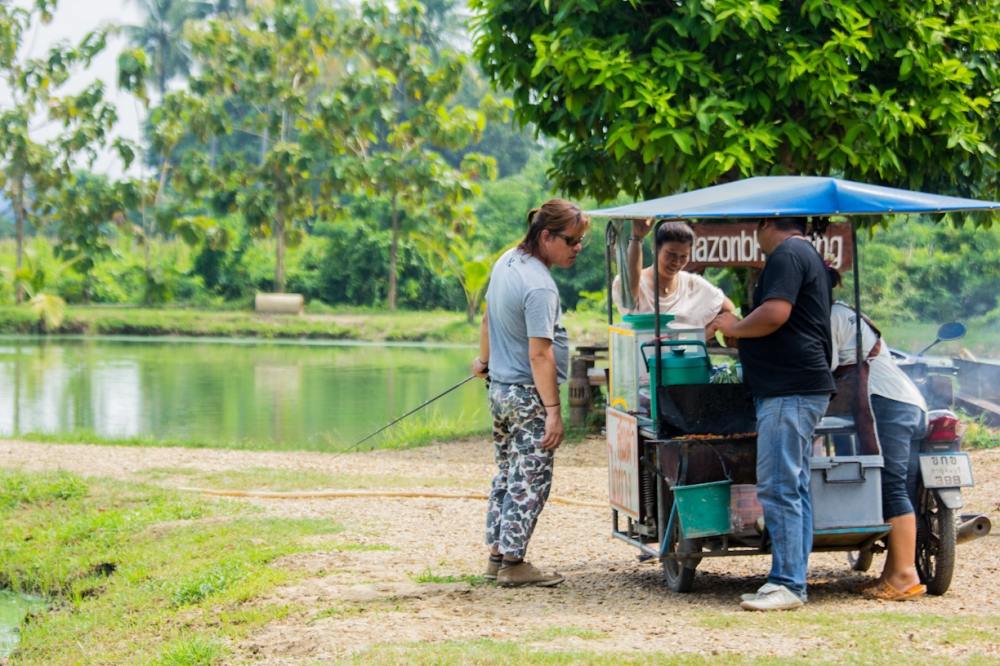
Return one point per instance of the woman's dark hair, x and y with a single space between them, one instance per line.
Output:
674 232
555 216
833 275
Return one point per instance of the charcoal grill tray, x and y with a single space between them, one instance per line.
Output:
704 409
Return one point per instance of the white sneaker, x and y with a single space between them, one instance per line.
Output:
766 588
777 598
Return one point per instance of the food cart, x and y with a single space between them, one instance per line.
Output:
682 451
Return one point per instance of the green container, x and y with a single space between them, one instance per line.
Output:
647 322
681 365
703 509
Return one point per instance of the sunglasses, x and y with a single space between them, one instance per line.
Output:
581 240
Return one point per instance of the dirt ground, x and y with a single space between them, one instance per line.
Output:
356 599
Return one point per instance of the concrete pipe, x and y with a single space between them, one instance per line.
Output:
279 303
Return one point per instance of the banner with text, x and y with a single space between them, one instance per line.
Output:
720 244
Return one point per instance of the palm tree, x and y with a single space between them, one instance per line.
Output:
160 35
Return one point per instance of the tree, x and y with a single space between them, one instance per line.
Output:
260 76
33 170
160 35
653 97
86 212
467 262
413 90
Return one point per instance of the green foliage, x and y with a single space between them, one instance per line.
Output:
653 98
210 581
921 271
17 488
346 272
468 263
428 576
269 64
979 434
410 89
105 551
86 214
504 204
159 39
38 176
191 652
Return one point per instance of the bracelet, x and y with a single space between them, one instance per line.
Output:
553 405
483 363
636 238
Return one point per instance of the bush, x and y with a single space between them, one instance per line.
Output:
354 266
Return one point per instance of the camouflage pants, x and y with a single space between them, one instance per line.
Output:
524 469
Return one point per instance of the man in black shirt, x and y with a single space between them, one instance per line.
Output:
785 349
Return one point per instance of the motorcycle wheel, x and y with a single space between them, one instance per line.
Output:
678 575
937 530
860 560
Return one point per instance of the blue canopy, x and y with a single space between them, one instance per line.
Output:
777 196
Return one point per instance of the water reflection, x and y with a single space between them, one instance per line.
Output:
278 394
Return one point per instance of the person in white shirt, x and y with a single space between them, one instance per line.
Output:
901 422
693 300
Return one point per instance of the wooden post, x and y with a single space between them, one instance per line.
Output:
579 392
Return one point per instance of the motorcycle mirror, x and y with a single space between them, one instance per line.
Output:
953 330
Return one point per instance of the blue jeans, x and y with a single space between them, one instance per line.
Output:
900 427
785 426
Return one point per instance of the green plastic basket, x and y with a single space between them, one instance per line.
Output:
703 509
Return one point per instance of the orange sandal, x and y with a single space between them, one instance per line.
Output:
886 592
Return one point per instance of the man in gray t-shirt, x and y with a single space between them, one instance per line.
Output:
524 349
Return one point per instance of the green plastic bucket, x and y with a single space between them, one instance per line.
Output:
703 509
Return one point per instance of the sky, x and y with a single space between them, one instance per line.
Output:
72 20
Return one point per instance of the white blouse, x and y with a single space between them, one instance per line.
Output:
694 302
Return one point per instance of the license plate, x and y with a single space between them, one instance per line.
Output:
946 470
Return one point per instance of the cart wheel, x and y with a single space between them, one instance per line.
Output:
679 576
936 533
860 560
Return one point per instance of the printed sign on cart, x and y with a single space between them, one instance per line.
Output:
735 244
623 462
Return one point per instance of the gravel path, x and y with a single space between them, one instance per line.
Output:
355 599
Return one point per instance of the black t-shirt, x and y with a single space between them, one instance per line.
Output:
795 359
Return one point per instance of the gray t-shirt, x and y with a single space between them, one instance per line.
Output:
522 302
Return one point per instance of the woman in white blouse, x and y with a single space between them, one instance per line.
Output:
693 300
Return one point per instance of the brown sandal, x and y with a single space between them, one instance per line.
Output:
886 592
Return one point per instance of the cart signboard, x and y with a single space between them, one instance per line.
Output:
623 462
721 244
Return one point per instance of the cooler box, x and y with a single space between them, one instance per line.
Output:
846 491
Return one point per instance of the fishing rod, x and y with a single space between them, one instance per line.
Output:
415 409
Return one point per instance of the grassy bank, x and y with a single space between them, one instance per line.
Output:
406 434
330 324
136 574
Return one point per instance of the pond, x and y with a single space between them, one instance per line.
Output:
13 608
231 392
